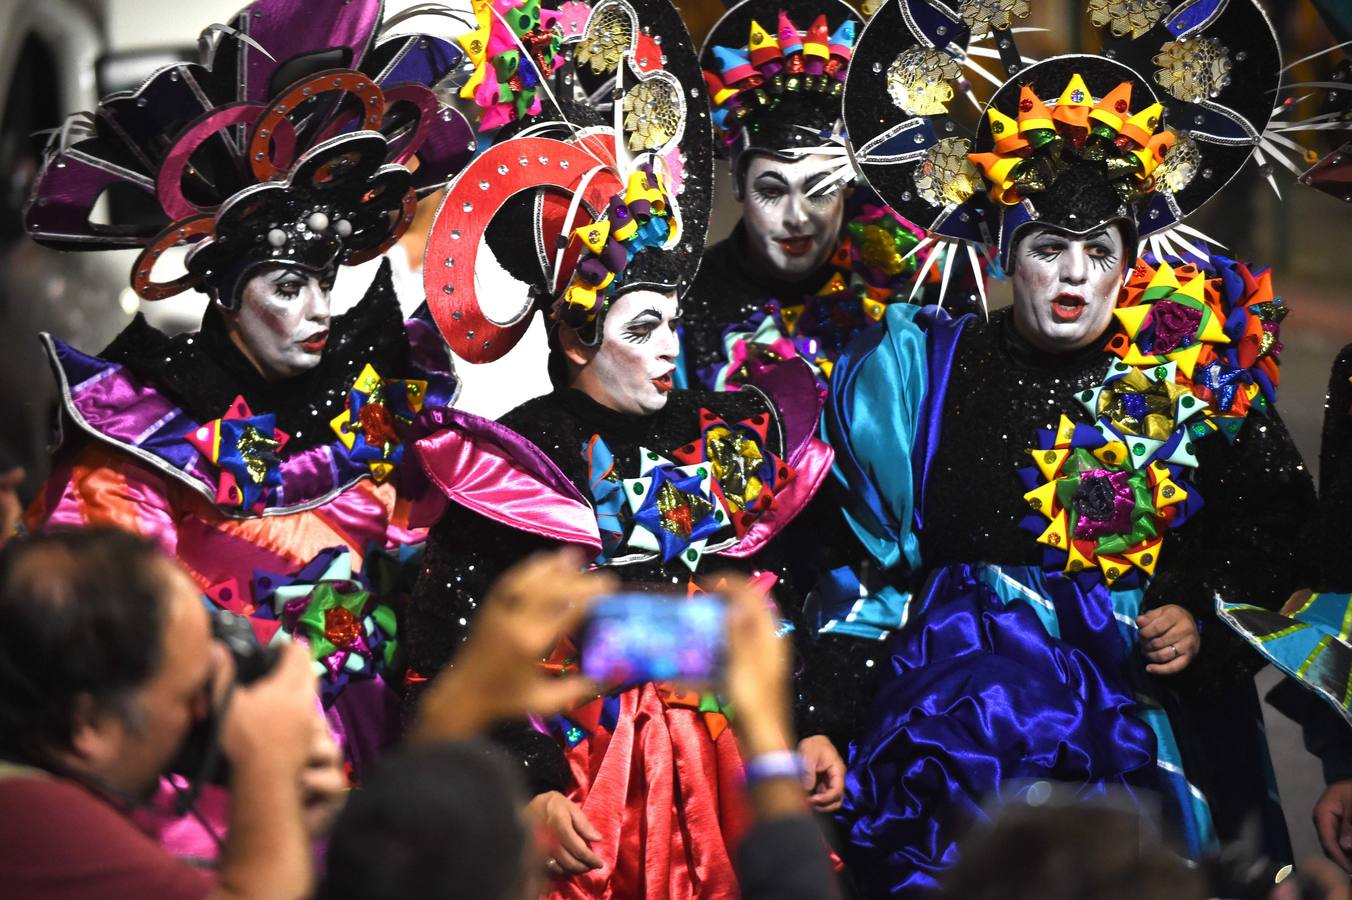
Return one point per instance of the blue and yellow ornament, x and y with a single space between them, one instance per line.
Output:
1146 410
245 448
378 410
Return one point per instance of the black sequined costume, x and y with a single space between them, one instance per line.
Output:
1242 543
726 292
466 552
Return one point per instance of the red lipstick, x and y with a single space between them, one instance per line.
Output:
797 246
1068 307
315 343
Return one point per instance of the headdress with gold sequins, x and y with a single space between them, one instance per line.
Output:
1144 132
603 188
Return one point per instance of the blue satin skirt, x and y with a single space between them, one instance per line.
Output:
1004 675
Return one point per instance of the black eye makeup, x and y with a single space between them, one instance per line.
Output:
767 196
288 285
1046 250
641 327
825 197
1101 255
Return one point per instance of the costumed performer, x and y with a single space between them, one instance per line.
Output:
604 217
1033 484
263 450
812 261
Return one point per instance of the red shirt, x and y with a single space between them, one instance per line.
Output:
58 840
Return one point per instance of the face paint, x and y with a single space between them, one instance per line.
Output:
792 229
630 371
1065 287
282 323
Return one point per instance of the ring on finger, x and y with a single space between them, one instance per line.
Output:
1177 652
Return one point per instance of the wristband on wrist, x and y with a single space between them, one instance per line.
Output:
772 765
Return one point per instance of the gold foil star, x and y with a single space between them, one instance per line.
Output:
257 450
736 460
680 511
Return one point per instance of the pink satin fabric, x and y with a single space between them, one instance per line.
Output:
104 486
487 477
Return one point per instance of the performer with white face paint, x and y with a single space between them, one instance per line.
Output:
792 279
661 486
1066 286
790 224
1051 498
262 450
282 324
630 370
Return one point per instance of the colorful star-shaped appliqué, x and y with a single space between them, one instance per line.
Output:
326 606
1243 376
378 410
1101 513
676 509
746 474
1167 321
245 449
1147 411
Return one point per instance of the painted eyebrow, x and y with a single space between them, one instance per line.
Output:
647 312
773 176
284 274
814 180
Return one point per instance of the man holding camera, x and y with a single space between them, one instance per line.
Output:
107 664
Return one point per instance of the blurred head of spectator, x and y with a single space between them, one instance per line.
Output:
1086 850
438 820
106 658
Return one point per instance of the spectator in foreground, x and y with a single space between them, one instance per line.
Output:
1086 850
446 819
107 661
1078 848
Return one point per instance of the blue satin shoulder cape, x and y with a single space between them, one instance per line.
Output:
996 675
882 419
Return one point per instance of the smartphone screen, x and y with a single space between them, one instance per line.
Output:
631 638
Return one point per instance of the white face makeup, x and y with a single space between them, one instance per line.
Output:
630 371
282 323
792 230
1065 287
